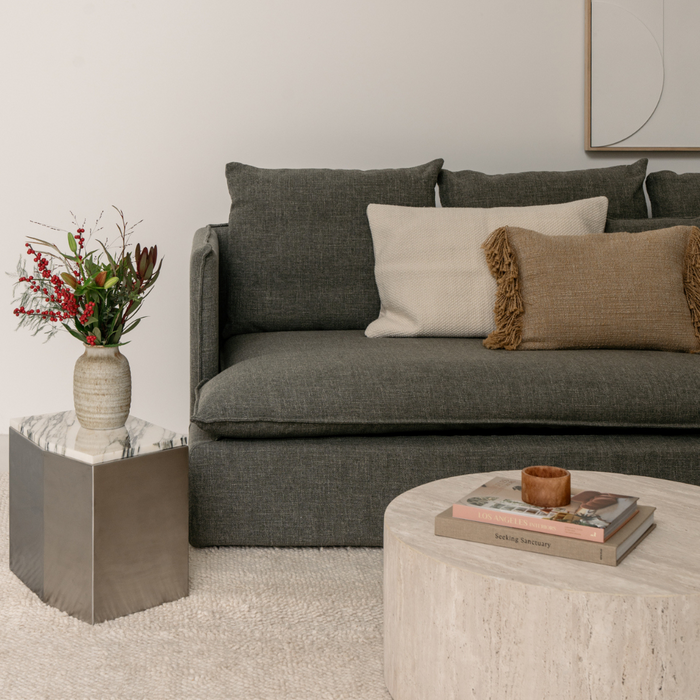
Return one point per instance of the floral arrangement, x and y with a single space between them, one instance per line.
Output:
93 294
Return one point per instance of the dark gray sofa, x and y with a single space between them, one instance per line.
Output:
303 429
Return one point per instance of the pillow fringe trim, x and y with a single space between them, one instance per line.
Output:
509 307
691 278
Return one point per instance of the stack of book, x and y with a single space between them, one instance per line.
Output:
596 526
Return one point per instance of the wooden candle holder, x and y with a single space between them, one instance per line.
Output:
546 487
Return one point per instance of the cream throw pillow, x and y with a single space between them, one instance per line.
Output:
431 272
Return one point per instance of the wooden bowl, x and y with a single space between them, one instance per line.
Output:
546 487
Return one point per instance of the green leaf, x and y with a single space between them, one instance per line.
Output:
109 257
74 333
97 334
115 319
131 326
154 277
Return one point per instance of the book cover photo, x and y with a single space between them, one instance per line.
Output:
591 515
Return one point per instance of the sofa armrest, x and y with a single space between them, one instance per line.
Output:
204 308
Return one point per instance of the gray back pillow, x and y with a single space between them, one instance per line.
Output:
671 194
623 185
298 254
639 225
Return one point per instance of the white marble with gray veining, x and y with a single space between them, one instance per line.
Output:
62 434
468 620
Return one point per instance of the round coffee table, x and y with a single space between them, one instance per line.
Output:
468 620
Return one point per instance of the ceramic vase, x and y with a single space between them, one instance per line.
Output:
102 388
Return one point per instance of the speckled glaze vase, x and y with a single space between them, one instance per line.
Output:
102 388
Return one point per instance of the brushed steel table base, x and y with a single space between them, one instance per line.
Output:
99 541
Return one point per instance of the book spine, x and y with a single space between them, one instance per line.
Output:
567 548
546 527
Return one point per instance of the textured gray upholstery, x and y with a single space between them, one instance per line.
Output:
320 383
279 299
334 490
639 225
671 194
204 308
623 185
298 255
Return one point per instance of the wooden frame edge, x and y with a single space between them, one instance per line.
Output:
587 70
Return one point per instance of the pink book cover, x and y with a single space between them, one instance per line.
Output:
591 515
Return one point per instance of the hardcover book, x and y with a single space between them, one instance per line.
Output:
591 515
609 553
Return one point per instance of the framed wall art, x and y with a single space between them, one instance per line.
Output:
642 75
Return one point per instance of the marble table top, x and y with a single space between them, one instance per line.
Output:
62 434
666 563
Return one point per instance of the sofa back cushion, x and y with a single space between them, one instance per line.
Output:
637 225
623 185
298 253
671 194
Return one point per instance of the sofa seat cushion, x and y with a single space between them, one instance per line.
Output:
320 383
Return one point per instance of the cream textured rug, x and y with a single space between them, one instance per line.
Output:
258 623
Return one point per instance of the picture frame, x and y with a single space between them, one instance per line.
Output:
641 78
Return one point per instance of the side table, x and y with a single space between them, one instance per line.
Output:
98 519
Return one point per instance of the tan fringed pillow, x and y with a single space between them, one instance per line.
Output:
601 290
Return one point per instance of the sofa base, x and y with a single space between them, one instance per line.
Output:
333 491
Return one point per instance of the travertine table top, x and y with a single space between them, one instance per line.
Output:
666 563
62 434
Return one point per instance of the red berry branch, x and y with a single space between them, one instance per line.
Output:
55 293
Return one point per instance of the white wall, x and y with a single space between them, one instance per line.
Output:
141 104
